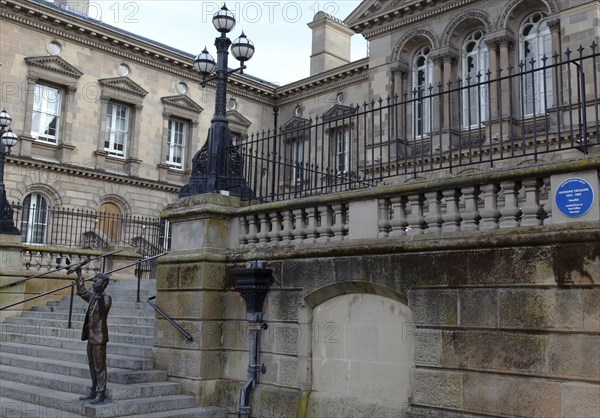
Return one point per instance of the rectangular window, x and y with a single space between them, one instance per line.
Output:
177 134
117 128
45 125
342 147
297 162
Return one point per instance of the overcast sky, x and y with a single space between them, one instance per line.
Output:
278 29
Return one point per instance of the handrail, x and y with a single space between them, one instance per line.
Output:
86 261
171 321
73 284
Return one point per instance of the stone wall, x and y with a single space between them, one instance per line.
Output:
504 322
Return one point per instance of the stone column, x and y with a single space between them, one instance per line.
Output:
554 26
493 47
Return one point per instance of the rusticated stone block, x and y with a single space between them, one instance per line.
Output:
580 400
578 263
540 308
503 395
307 274
167 276
478 308
207 335
211 365
438 389
368 269
591 309
235 365
324 404
282 305
414 270
269 401
574 356
288 371
494 351
271 363
428 347
235 335
180 363
434 307
287 337
502 266
234 306
192 305
201 276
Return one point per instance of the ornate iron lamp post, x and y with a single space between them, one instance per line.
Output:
8 140
218 166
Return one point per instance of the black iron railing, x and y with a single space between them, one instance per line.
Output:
90 229
520 112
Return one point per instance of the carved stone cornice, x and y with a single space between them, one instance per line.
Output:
95 35
334 79
294 124
88 173
338 111
54 64
182 102
236 118
124 85
401 15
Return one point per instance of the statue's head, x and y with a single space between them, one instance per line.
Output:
100 282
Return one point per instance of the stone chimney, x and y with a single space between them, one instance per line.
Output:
330 43
80 7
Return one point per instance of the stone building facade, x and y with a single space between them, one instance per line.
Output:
452 293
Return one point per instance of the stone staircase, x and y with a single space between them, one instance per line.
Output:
43 363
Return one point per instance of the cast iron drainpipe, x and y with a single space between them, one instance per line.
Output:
253 368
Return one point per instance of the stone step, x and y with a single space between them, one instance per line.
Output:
148 285
112 319
115 328
60 305
12 408
79 385
115 375
71 344
117 295
69 402
202 412
144 312
141 407
74 356
75 333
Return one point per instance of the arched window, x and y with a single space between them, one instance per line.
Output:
474 75
535 49
34 219
422 78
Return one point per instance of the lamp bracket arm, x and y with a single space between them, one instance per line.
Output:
214 77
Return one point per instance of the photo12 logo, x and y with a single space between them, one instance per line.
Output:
270 11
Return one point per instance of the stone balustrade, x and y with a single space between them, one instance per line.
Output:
469 207
47 259
302 225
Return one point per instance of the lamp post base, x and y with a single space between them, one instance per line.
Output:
7 225
217 166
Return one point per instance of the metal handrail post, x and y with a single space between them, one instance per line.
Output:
71 304
139 278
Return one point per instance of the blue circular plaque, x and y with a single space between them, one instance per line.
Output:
574 197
